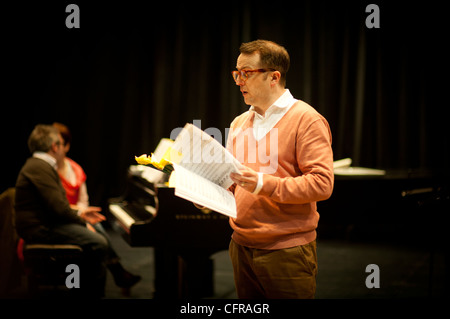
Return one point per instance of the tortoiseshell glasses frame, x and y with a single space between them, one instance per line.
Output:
243 74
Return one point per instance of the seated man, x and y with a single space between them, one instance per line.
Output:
43 213
73 180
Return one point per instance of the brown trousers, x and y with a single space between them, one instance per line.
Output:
274 274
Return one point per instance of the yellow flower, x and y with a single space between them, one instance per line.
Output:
143 159
163 164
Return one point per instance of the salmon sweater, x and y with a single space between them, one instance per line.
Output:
297 161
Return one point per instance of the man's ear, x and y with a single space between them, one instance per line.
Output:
275 78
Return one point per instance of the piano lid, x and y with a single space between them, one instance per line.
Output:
151 175
343 167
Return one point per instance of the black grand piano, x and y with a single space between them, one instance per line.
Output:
184 237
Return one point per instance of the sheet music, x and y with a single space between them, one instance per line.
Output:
199 190
202 170
205 156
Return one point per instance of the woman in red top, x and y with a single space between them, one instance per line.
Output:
73 180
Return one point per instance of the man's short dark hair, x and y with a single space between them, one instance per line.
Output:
272 55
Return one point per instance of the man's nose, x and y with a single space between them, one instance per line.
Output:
239 82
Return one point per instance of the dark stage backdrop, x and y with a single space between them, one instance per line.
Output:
132 73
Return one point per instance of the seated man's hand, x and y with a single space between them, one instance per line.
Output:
92 215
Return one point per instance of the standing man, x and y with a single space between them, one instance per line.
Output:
43 213
285 145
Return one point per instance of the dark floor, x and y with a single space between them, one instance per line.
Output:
405 272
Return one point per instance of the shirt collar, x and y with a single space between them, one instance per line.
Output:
282 102
46 157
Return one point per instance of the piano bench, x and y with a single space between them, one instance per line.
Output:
45 265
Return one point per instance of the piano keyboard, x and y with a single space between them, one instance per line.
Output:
135 215
121 215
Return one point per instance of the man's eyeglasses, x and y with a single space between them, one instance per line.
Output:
243 74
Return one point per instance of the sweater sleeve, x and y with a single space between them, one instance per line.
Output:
47 184
314 158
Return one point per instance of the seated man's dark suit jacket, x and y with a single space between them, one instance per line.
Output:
41 201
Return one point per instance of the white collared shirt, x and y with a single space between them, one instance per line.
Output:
262 124
46 157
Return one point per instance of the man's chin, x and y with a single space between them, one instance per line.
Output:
247 101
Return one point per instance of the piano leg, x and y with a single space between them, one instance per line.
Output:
185 274
166 273
196 276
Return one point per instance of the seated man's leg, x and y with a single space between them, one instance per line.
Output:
95 246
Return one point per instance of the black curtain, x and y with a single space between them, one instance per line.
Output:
132 73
